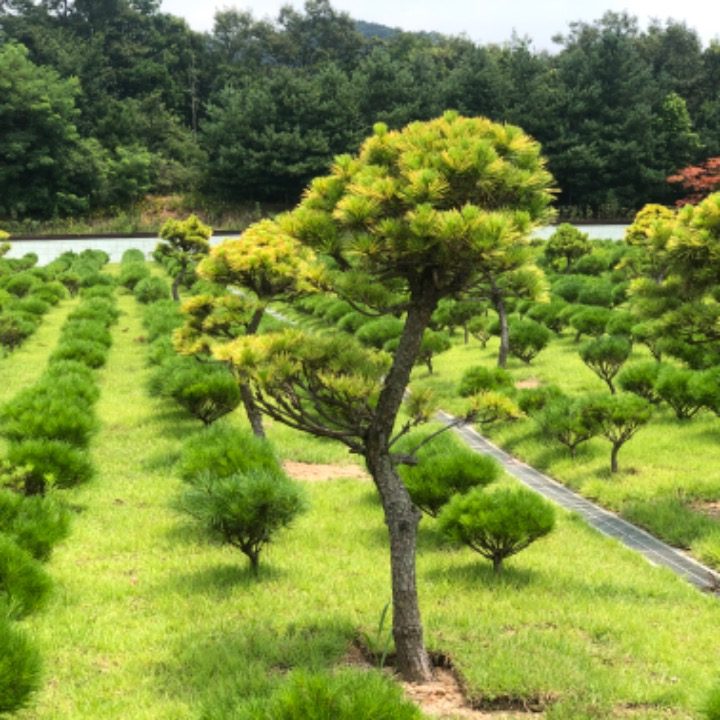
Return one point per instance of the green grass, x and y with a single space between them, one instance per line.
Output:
666 470
148 621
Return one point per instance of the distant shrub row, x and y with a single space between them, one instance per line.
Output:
48 427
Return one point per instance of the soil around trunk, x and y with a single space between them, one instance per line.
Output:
317 472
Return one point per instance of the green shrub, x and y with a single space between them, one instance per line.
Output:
32 305
95 278
104 291
14 330
640 378
566 245
40 412
70 280
222 450
132 256
596 292
91 353
533 400
549 314
704 387
93 257
346 694
621 322
568 287
446 467
673 386
24 584
590 321
206 392
377 332
35 523
50 462
351 322
161 318
244 509
92 330
333 313
593 264
101 309
527 339
605 356
51 292
479 379
497 522
132 273
20 668
71 378
160 351
569 421
20 284
151 290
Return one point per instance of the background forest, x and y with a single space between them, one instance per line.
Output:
105 101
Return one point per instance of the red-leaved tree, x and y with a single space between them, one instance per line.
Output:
701 180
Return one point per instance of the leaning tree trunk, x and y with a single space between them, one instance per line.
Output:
504 351
252 411
401 516
176 284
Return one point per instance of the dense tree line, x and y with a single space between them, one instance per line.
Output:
103 101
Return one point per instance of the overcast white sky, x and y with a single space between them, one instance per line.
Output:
483 21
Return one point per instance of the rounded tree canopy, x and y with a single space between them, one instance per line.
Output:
264 259
431 200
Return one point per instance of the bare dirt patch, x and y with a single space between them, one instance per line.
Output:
529 384
316 472
710 508
443 698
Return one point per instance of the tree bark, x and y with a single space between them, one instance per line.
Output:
176 286
504 350
252 411
614 457
401 516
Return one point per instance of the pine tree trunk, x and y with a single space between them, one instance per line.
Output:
401 516
614 457
252 411
504 350
176 285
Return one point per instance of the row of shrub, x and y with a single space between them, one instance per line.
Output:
48 427
206 389
447 480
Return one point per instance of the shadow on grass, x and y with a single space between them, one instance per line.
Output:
225 671
222 580
480 572
160 461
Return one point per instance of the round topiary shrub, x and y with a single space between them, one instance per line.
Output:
568 288
132 273
341 695
101 309
351 322
50 462
673 386
92 330
91 353
445 467
621 322
222 450
20 668
132 255
596 292
35 523
14 330
206 392
527 339
244 509
39 412
103 291
161 318
378 332
51 292
640 378
479 379
20 284
32 305
497 522
590 321
592 264
24 584
151 290
605 356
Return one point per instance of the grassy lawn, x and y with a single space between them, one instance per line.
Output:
669 470
148 621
